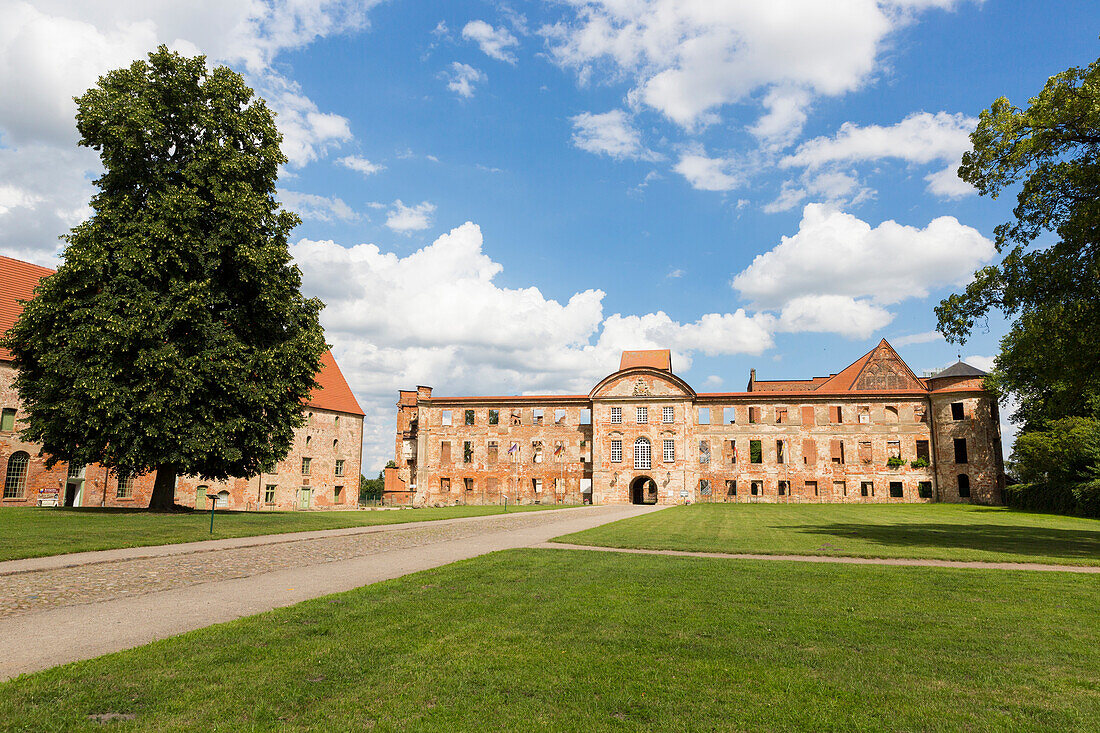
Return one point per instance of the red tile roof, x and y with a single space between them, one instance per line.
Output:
17 281
652 358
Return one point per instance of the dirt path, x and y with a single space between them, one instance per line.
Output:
82 607
834 559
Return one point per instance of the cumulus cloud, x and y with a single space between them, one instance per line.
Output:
462 79
828 186
360 165
469 335
919 139
611 134
708 174
690 58
925 337
407 219
494 42
839 269
317 208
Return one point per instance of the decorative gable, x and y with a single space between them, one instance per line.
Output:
885 371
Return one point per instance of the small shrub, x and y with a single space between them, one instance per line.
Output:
895 462
920 463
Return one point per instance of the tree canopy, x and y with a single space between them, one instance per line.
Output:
174 336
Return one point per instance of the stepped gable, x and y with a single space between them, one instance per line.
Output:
652 358
879 370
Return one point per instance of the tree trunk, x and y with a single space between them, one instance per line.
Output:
164 488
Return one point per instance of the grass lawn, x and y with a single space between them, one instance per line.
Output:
938 531
572 640
38 532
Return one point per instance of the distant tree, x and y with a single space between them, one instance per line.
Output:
1049 278
174 337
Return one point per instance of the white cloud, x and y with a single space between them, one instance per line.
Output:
690 58
494 42
713 381
407 219
462 78
925 337
835 253
308 133
706 173
844 315
609 133
985 363
829 186
946 183
473 336
675 273
360 165
786 115
317 208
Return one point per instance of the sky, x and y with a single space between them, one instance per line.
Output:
500 197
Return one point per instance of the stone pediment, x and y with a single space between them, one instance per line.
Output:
642 382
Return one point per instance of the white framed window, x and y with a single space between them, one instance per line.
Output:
668 414
643 457
643 415
616 415
15 479
669 451
616 451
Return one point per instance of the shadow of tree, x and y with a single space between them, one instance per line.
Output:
1070 543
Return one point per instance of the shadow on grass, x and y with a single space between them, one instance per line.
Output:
1069 543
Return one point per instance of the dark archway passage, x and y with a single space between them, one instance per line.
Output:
643 490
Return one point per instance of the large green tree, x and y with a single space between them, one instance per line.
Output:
1048 281
174 337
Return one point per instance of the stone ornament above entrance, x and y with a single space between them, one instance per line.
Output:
641 388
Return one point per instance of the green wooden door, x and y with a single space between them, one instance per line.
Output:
303 498
200 497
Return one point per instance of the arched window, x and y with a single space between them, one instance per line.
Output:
15 480
221 499
642 453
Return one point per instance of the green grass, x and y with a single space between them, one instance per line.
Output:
566 640
936 531
39 532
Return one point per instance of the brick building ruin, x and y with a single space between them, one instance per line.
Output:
874 432
320 472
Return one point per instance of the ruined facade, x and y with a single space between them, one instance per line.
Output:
874 432
320 472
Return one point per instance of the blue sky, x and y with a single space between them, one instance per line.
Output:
498 197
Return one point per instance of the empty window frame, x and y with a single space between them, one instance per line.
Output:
730 447
704 486
468 483
536 484
643 457
536 416
559 417
616 415
729 415
781 415
445 417
897 491
958 411
863 414
269 494
7 420
559 450
492 452
809 451
891 413
338 470
924 489
513 451
866 488
756 488
960 450
783 488
964 486
704 416
893 449
536 450
445 452
444 485
808 419
865 451
669 452
922 450
731 487
836 415
840 488
754 415
15 478
467 452
338 495
919 413
642 413
668 414
836 452
780 452
468 417
494 417
586 416
704 451
756 451
515 418
616 451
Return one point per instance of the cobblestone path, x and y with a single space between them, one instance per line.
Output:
40 590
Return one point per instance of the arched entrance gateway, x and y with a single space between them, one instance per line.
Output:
643 490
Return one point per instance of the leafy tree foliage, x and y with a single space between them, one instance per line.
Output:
1049 277
174 337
